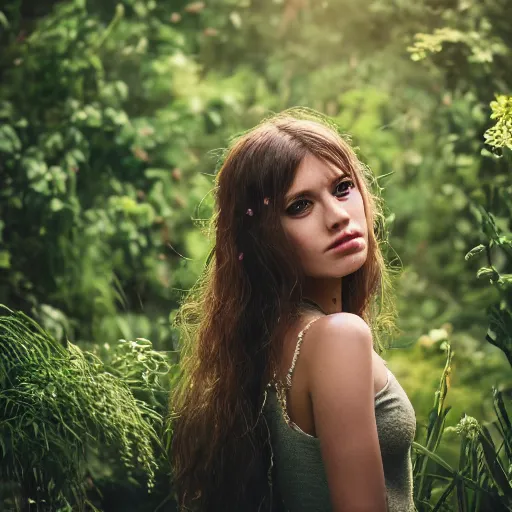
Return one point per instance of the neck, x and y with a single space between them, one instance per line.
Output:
324 292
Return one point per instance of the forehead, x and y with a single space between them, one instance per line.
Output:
312 173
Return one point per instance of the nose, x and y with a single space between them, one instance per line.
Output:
336 214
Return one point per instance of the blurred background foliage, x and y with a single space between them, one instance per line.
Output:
112 117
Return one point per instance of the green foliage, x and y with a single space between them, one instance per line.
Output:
482 46
483 479
101 111
422 483
58 402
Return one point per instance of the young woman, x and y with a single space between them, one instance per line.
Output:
283 402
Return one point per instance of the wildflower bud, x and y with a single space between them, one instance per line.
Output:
468 427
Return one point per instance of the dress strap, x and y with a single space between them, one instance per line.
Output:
297 350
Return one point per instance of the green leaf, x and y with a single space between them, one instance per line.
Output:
9 140
493 463
56 205
157 174
4 22
473 252
5 259
235 19
487 272
215 117
436 458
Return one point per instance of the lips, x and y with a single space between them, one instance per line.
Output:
344 238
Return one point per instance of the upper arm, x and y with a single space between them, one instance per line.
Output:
341 384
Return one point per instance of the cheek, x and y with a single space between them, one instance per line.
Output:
358 211
300 239
297 241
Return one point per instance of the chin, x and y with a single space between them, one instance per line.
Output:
343 269
350 264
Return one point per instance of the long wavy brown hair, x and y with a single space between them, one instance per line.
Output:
232 322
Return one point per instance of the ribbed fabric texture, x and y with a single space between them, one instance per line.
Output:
298 467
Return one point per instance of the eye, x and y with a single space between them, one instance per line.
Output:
294 210
351 185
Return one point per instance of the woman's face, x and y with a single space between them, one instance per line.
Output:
331 206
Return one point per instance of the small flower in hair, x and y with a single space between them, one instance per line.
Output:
241 256
266 201
249 212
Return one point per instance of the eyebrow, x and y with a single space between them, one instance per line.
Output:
304 193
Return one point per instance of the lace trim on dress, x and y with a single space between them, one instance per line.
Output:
282 388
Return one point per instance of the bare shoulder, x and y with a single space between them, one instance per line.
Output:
338 323
340 335
339 356
346 323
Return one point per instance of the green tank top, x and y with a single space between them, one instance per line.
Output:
298 473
